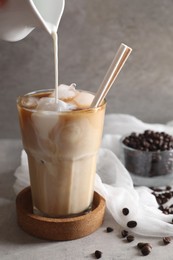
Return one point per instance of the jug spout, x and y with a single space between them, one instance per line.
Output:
18 18
48 13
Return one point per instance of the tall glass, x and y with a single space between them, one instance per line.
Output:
62 152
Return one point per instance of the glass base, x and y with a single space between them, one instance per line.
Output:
40 213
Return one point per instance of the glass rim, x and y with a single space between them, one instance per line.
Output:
32 93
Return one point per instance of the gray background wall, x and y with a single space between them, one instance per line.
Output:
90 32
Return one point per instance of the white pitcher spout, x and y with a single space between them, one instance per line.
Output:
48 12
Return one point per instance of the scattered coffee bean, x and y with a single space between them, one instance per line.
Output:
109 229
165 212
161 208
168 187
148 245
130 238
98 254
132 224
125 211
124 233
146 249
166 240
162 196
140 245
156 189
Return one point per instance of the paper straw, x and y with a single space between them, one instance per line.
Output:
112 73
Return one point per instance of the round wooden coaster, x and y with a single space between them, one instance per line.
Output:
58 228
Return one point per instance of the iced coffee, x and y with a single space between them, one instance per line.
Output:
61 140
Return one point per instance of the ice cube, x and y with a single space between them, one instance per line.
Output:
84 99
29 102
63 106
49 104
67 92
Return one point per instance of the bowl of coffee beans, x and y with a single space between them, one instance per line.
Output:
148 154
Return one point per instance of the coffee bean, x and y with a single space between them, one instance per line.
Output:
165 211
161 208
125 211
146 250
170 210
166 240
98 254
130 238
140 245
156 189
149 245
149 140
132 224
161 163
109 229
124 233
162 196
168 188
168 195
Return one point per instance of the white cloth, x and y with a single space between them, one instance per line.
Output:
115 184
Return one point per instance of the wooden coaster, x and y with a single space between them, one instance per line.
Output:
58 228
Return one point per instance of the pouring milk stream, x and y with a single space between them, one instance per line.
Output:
18 18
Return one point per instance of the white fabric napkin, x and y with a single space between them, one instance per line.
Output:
116 185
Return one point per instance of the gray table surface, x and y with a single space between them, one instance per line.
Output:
16 244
